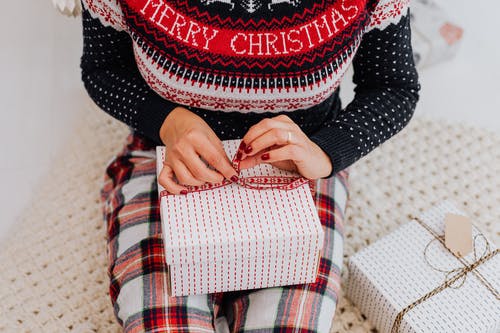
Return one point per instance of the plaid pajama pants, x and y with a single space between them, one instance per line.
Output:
138 274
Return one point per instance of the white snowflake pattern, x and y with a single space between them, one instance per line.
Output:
209 2
294 3
252 6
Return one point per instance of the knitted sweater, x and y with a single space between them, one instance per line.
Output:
235 63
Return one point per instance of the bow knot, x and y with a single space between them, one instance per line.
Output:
252 182
455 278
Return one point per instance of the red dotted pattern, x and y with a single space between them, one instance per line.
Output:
265 231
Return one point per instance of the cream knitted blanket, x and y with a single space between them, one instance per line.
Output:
53 276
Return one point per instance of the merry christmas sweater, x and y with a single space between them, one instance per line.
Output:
236 62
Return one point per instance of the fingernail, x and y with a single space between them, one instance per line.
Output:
184 192
242 145
248 149
265 156
238 155
234 179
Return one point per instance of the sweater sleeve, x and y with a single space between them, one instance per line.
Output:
386 94
113 81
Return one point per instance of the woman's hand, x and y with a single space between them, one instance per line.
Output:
266 142
188 137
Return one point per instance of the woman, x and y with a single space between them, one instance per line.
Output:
188 74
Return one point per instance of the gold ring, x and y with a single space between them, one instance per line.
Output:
289 138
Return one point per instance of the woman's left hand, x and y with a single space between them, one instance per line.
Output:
281 142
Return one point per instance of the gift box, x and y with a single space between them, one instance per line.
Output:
408 281
261 231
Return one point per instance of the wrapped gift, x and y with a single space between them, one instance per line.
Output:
408 281
261 231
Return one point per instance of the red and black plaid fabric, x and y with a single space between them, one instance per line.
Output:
137 268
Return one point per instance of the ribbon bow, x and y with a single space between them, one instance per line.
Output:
253 182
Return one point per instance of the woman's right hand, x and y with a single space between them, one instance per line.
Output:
188 137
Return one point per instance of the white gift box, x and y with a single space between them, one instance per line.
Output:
389 275
232 237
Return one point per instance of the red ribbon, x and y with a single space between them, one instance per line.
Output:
254 183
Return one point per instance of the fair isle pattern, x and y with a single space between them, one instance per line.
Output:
216 96
107 11
387 12
259 66
251 5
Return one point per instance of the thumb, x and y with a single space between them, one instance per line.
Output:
214 139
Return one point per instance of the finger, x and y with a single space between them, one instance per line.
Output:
200 171
214 139
275 136
260 128
220 148
217 143
217 158
250 162
166 179
183 175
289 152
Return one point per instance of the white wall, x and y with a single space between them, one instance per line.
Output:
467 88
40 87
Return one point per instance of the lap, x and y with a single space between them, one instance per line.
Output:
136 263
309 307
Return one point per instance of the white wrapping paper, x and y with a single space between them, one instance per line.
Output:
392 273
235 238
